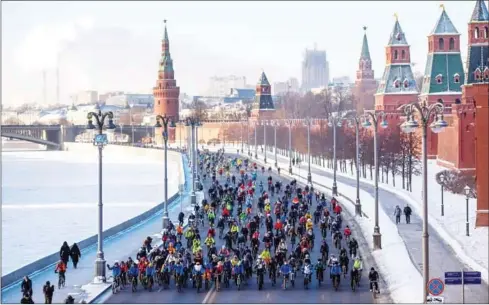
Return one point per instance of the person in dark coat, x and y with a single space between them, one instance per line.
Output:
75 254
64 253
26 300
407 213
26 287
48 291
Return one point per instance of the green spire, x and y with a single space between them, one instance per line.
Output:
166 62
444 25
365 51
480 12
263 80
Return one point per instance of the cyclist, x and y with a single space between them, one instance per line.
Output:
373 277
150 271
133 273
285 270
61 270
319 270
335 272
116 271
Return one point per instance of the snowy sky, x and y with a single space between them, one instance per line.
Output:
116 45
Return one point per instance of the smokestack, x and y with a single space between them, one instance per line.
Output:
44 87
57 85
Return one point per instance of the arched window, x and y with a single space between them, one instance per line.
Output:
476 33
486 32
486 73
456 78
403 54
397 83
477 73
405 83
439 79
395 54
451 45
440 101
441 44
457 101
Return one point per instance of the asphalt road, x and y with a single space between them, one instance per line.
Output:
249 292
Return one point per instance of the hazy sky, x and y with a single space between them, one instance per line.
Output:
117 45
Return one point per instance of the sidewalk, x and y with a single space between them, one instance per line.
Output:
118 247
442 257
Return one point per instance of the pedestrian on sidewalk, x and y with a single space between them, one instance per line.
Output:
293 161
397 213
407 213
26 287
64 253
48 291
75 254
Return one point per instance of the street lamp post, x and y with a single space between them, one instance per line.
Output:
289 123
100 140
467 193
425 114
375 119
442 183
192 123
275 124
255 124
248 137
356 121
165 120
335 121
242 141
307 123
264 123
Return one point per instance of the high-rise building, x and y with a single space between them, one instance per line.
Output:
291 85
315 69
222 85
86 97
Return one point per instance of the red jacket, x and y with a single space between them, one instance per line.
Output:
337 209
347 232
278 226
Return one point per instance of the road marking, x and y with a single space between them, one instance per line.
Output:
208 296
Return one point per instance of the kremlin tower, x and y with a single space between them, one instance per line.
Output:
263 107
365 84
398 86
166 92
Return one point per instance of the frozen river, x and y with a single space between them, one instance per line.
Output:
51 196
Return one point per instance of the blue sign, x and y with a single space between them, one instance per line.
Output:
100 139
468 278
435 287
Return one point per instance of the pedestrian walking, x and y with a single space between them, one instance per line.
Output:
48 291
75 254
407 213
397 213
64 253
26 287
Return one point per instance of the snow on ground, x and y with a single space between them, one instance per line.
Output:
473 250
403 280
51 196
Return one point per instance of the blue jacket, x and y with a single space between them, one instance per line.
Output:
195 272
285 269
238 269
116 270
133 271
336 270
178 269
150 271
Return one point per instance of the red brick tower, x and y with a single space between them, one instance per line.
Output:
398 86
263 107
166 92
365 84
476 92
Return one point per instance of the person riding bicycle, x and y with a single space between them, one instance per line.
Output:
150 271
344 261
238 270
347 232
209 241
133 272
196 245
319 268
307 269
285 269
373 277
61 269
224 252
265 255
335 271
332 260
356 268
353 246
116 270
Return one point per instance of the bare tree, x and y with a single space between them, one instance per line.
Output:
199 110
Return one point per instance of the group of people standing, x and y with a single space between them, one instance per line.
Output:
66 252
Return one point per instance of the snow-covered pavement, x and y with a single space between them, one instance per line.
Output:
401 241
118 247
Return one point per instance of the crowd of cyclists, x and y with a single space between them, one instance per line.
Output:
222 244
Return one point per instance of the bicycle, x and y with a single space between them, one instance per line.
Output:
115 284
374 289
61 280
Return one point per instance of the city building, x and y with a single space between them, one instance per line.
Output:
398 86
365 83
444 74
281 88
222 85
166 92
86 97
137 100
103 97
315 69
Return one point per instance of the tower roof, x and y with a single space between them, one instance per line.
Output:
365 51
263 80
166 62
397 35
480 12
444 25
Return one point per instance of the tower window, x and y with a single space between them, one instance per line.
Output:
451 45
486 32
486 73
397 83
439 79
477 73
395 54
456 78
441 44
405 83
158 103
457 101
476 33
403 54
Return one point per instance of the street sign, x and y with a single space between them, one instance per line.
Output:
472 281
436 287
465 278
472 274
435 300
453 281
453 275
100 139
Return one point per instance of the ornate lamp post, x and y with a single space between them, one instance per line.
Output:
307 123
375 119
275 124
166 121
355 120
264 123
335 121
192 123
100 140
289 123
467 194
255 125
425 114
442 183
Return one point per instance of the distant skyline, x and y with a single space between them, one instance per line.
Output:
107 46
